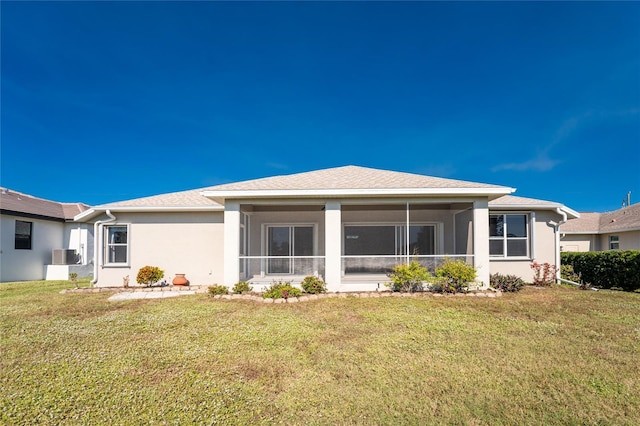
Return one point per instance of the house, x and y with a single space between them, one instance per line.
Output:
616 230
32 228
348 225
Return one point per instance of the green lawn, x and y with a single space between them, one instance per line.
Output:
543 356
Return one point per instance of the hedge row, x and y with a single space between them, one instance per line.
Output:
607 269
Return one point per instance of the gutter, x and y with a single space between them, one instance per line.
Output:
97 242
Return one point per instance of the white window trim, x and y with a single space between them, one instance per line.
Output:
105 246
530 237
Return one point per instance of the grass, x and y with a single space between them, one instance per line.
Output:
542 356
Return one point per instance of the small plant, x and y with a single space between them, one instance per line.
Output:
125 281
281 290
149 275
544 274
217 289
242 287
313 285
567 273
408 277
73 277
509 283
454 276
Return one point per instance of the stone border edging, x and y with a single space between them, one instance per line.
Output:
373 294
204 289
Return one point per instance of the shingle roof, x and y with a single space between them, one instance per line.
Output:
12 201
349 177
192 197
512 200
625 219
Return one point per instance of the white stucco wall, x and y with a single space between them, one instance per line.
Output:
629 240
543 249
578 242
191 243
79 237
24 265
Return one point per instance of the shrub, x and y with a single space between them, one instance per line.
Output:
73 277
544 274
454 275
567 273
242 287
281 290
408 277
149 275
313 285
607 269
218 289
510 283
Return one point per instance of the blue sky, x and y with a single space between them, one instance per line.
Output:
108 101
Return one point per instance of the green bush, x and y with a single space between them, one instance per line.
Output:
313 285
454 276
408 277
281 290
149 275
568 273
242 287
607 269
218 289
509 283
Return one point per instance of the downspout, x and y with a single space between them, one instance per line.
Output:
557 233
97 243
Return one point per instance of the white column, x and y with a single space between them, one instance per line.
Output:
231 243
481 240
332 245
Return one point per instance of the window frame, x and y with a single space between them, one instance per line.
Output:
613 242
107 245
29 239
505 236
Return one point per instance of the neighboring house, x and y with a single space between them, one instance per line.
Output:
348 225
32 228
616 230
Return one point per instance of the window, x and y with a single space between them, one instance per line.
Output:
117 245
288 241
614 242
23 235
509 235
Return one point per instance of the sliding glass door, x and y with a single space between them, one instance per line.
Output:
289 243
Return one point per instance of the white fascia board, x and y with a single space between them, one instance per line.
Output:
88 214
578 233
338 193
549 206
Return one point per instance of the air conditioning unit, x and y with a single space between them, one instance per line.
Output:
63 257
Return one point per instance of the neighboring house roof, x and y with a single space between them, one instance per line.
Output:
335 182
19 204
624 219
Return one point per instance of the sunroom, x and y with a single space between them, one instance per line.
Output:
350 243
